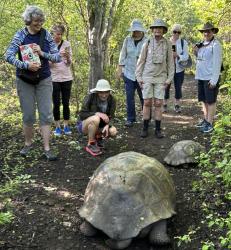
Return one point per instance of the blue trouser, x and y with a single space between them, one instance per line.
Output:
130 88
178 82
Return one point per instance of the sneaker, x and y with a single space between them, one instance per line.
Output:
201 124
159 134
129 124
177 108
67 130
93 149
50 155
25 150
100 142
144 133
165 108
58 131
207 128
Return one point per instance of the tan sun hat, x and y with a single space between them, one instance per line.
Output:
209 26
160 23
136 25
102 85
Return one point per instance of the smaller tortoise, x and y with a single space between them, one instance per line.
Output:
183 152
129 195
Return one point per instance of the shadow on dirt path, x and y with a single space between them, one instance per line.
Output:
46 210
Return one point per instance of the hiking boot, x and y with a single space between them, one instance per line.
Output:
207 128
129 124
177 108
93 149
100 142
58 131
25 150
201 123
159 134
165 108
67 130
144 133
50 156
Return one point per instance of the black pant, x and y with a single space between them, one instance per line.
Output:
61 90
178 82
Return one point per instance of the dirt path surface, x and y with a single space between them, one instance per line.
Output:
46 209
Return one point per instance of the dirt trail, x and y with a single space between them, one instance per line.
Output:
46 210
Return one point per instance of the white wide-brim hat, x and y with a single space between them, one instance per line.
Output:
101 86
136 25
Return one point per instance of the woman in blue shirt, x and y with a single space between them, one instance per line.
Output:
129 55
34 93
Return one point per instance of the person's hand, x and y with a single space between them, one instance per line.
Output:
105 131
175 54
195 49
166 84
103 116
211 86
119 72
34 66
141 83
65 53
37 49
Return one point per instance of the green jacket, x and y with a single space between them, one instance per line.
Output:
90 106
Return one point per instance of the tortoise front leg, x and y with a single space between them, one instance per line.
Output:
87 229
158 234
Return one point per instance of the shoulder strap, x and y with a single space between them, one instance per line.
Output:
60 45
182 43
42 38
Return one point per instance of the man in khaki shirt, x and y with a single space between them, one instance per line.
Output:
155 70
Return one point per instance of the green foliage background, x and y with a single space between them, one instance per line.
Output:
215 165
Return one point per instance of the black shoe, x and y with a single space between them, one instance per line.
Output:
159 134
25 150
144 133
50 156
128 124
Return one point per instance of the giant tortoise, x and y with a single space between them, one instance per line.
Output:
129 195
183 152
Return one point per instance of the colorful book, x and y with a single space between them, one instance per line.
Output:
28 55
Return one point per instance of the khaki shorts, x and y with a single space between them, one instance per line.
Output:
153 90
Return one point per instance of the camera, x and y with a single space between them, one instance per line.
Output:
174 48
199 45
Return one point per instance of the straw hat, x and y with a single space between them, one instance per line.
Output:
160 23
102 85
209 26
136 25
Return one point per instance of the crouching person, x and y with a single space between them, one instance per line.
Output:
95 117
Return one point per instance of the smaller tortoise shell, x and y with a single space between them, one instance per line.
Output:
183 152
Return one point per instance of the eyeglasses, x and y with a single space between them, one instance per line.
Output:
207 31
176 32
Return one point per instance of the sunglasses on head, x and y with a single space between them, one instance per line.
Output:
176 32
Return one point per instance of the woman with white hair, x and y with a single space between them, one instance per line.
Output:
180 54
35 48
129 55
62 80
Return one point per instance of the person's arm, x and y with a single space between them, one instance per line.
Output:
53 54
170 64
13 49
217 61
122 58
141 62
184 56
86 111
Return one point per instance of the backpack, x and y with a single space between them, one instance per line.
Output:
26 75
188 63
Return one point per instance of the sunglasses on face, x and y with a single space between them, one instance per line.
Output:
176 32
207 31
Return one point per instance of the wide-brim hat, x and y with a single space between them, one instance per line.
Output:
101 86
209 26
160 23
136 25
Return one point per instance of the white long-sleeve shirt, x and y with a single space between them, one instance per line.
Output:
209 60
182 53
